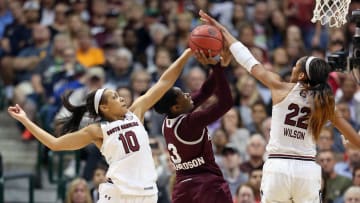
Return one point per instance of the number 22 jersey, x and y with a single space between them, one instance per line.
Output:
127 151
289 134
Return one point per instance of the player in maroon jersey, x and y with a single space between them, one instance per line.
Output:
198 178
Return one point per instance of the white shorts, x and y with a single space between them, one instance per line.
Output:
289 180
108 193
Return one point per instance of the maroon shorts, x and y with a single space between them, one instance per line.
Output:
202 189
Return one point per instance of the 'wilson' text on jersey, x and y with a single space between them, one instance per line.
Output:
118 128
288 132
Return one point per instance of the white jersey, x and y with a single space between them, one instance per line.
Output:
289 134
128 153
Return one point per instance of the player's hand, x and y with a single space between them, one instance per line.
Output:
203 59
17 112
225 55
347 144
209 20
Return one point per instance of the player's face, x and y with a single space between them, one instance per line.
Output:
115 105
184 102
295 72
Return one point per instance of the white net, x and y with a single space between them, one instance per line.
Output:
332 12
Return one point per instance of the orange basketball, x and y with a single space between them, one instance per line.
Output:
206 37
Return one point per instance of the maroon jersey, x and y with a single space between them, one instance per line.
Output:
190 146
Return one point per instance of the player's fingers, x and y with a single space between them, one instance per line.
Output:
209 52
202 54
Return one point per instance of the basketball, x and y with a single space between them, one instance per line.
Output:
206 37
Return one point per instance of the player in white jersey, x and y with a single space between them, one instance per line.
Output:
120 136
300 109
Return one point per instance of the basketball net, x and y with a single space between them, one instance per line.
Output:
332 12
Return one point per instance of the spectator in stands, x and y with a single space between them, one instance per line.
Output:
170 43
79 7
78 192
247 95
238 135
278 24
57 79
17 37
60 20
258 115
280 60
346 93
47 13
6 17
261 25
335 185
326 138
183 28
99 176
195 77
265 129
299 13
136 33
163 172
139 82
255 150
352 194
294 43
255 177
157 32
108 35
245 194
120 71
231 168
356 175
219 139
75 25
87 54
353 159
98 11
238 16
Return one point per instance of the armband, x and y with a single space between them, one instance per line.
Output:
243 56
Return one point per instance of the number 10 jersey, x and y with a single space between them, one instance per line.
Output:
128 153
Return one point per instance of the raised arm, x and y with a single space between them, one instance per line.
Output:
70 141
243 56
346 129
206 90
195 122
166 81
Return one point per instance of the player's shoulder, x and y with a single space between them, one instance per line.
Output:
93 129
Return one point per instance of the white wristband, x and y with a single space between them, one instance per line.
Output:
243 56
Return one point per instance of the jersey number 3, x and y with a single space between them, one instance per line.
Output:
174 156
129 141
300 122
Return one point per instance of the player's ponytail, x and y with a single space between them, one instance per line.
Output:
317 72
71 123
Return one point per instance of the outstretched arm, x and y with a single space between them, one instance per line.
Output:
346 129
70 141
243 56
166 81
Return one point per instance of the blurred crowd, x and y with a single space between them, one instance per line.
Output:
49 47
